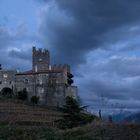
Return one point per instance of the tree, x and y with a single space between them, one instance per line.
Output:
74 115
110 119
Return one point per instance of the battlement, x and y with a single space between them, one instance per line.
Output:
61 67
40 51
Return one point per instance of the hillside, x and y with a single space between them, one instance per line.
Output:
134 118
94 131
19 113
121 116
23 121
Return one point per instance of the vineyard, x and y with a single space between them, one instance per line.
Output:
20 113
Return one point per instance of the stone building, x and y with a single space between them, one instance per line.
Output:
7 79
51 83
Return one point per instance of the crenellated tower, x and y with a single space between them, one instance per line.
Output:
40 59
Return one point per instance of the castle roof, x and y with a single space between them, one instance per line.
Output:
31 72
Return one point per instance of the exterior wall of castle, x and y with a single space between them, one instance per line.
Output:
72 91
7 79
49 87
49 83
25 82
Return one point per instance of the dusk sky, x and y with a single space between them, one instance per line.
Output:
100 39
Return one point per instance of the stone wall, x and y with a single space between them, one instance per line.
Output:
50 87
72 91
7 79
25 82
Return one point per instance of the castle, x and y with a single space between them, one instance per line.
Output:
51 83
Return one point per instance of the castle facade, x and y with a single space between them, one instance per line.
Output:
51 83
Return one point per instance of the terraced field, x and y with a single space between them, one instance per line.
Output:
15 112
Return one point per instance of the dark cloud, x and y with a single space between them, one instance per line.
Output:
115 79
21 54
120 90
75 29
121 66
87 22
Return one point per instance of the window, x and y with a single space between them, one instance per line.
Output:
26 81
0 82
39 81
5 75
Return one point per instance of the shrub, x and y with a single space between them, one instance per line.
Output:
7 92
23 95
34 99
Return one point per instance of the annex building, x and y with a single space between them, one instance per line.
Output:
51 83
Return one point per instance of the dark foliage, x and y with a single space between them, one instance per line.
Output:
7 92
22 95
110 119
70 80
73 115
34 99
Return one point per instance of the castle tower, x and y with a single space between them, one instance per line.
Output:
40 59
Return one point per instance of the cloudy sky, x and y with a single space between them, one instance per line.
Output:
99 39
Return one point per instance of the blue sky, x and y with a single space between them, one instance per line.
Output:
99 39
16 12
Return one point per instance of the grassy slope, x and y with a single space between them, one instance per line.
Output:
15 112
20 121
94 132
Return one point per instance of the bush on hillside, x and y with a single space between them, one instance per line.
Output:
34 99
22 95
7 92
